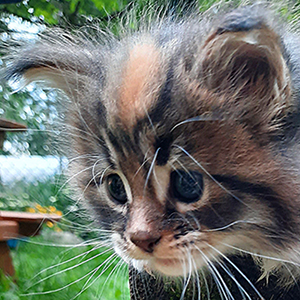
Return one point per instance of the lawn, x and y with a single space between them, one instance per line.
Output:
46 267
46 271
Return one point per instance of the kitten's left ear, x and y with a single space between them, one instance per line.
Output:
243 59
58 59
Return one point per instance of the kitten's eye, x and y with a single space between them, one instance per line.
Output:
116 188
187 187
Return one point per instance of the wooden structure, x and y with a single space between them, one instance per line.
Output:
19 225
6 125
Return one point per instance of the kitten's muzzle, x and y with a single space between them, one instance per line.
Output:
145 240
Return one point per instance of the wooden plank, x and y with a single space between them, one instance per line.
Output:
6 125
5 260
28 217
8 230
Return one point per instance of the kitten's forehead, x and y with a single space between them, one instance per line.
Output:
139 83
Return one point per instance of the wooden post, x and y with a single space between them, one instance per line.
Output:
8 229
6 263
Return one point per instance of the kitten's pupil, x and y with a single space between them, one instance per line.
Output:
116 188
187 186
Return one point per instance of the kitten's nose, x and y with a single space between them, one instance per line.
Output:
145 240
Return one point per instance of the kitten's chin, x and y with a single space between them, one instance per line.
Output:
170 267
164 266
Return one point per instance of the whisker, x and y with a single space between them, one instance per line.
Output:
150 121
59 289
84 244
108 277
236 268
196 275
141 166
87 284
292 276
70 268
64 262
240 287
91 180
217 276
150 169
118 275
263 256
72 177
187 280
198 119
229 225
93 170
206 284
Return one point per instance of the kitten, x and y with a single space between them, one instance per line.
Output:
186 138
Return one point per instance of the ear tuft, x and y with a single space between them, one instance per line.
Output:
61 60
246 64
243 19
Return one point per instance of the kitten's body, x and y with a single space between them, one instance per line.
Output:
186 138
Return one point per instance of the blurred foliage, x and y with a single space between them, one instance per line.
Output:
72 12
76 13
42 197
21 194
38 110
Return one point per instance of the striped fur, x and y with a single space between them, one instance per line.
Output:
218 95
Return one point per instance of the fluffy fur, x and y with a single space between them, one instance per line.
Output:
211 95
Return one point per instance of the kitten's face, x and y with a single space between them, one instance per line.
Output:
176 136
178 195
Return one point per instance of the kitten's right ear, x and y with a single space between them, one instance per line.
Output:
243 60
244 56
60 60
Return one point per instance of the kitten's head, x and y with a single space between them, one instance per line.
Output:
180 135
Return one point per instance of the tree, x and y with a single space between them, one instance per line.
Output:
33 106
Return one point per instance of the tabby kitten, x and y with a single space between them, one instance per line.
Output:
185 135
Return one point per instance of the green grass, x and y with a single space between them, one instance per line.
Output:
36 279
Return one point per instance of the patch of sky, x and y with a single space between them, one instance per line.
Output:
17 24
30 168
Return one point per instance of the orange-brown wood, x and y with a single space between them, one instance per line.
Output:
8 230
6 263
6 125
18 225
28 217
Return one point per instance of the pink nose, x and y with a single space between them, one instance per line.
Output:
145 240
